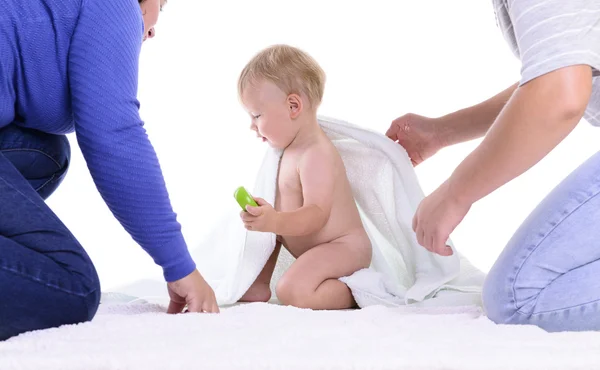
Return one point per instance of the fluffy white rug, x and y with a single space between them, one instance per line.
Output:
266 336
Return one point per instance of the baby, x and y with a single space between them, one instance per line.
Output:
315 217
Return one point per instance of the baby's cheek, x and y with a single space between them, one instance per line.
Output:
269 131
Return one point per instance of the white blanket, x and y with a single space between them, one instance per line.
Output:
261 336
387 193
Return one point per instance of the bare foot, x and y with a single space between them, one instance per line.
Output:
258 292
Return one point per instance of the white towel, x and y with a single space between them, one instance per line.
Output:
387 194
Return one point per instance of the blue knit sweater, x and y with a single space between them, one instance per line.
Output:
72 65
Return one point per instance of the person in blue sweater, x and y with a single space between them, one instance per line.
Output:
72 66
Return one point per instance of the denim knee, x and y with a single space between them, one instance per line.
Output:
93 300
498 297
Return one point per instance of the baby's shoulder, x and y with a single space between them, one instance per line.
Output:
321 150
319 156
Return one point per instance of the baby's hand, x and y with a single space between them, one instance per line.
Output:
261 218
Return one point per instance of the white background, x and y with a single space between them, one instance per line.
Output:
382 59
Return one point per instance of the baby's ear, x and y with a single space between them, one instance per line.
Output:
295 105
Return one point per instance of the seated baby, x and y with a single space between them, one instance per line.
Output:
314 217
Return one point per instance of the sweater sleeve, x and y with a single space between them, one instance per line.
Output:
103 78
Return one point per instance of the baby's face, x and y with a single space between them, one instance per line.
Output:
270 114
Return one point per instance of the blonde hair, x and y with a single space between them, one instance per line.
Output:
289 68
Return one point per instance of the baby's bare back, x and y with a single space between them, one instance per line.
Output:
344 224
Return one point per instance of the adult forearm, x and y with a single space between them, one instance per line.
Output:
473 122
538 117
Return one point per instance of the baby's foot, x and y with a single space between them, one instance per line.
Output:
258 292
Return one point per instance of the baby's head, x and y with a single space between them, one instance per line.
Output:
281 88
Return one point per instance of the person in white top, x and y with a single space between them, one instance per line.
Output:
547 275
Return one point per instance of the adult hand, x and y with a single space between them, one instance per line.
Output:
436 218
420 136
194 292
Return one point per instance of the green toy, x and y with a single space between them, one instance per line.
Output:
244 198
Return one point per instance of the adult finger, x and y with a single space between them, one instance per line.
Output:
175 307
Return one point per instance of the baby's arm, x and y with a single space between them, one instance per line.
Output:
317 176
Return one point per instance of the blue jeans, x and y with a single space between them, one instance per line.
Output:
549 273
46 277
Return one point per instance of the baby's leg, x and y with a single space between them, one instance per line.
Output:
260 290
312 280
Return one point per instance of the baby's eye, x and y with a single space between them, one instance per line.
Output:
257 116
